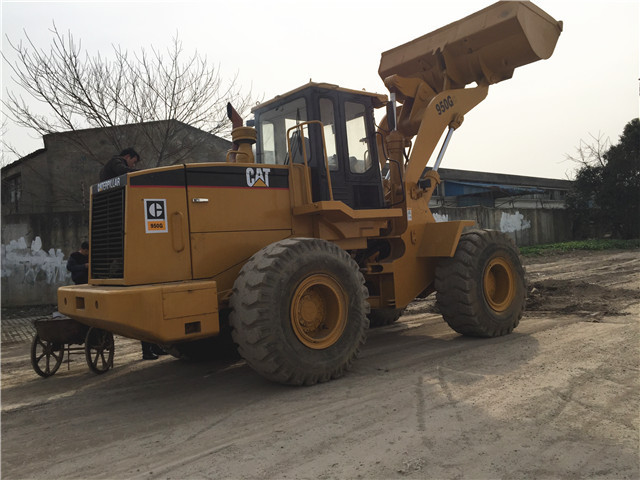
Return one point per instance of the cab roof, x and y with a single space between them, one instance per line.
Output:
379 99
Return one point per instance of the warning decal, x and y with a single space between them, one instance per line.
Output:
155 215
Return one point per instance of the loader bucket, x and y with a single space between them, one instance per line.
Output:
485 47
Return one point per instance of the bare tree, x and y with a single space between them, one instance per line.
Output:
605 195
591 152
80 91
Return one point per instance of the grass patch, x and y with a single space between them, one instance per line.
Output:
603 244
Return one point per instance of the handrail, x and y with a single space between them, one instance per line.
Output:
304 152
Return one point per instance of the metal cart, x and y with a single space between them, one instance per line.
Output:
56 335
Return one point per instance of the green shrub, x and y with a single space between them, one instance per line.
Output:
593 244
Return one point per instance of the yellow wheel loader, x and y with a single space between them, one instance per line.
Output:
317 222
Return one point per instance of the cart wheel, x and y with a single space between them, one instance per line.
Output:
46 357
98 349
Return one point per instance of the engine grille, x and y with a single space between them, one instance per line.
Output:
107 234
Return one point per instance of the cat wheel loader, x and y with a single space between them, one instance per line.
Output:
317 222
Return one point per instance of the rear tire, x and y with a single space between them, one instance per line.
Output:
481 290
379 317
299 311
204 350
220 347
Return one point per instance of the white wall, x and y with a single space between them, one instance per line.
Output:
30 275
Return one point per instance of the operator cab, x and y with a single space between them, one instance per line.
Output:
347 131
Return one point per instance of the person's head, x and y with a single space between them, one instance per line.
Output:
130 156
84 248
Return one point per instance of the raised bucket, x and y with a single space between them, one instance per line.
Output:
485 47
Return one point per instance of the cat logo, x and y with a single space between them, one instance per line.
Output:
258 177
155 215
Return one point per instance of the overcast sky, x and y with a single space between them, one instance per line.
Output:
526 125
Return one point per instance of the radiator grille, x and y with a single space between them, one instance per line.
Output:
107 234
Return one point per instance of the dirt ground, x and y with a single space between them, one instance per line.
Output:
558 398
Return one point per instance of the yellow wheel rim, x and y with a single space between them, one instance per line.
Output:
499 284
319 311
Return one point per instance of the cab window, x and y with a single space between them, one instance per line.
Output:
273 127
357 140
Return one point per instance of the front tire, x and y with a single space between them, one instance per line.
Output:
481 290
299 311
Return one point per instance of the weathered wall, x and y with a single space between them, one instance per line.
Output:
31 275
64 230
74 159
33 268
525 226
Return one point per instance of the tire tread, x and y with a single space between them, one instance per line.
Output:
458 294
255 331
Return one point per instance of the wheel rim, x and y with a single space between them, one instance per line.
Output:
99 348
319 311
46 356
499 284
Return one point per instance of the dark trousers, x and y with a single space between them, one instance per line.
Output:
147 348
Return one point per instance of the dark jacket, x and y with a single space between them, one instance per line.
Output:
114 168
75 264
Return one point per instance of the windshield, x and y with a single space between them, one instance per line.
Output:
273 126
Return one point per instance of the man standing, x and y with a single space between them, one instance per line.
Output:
78 264
120 164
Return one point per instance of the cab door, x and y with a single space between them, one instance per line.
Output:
351 149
